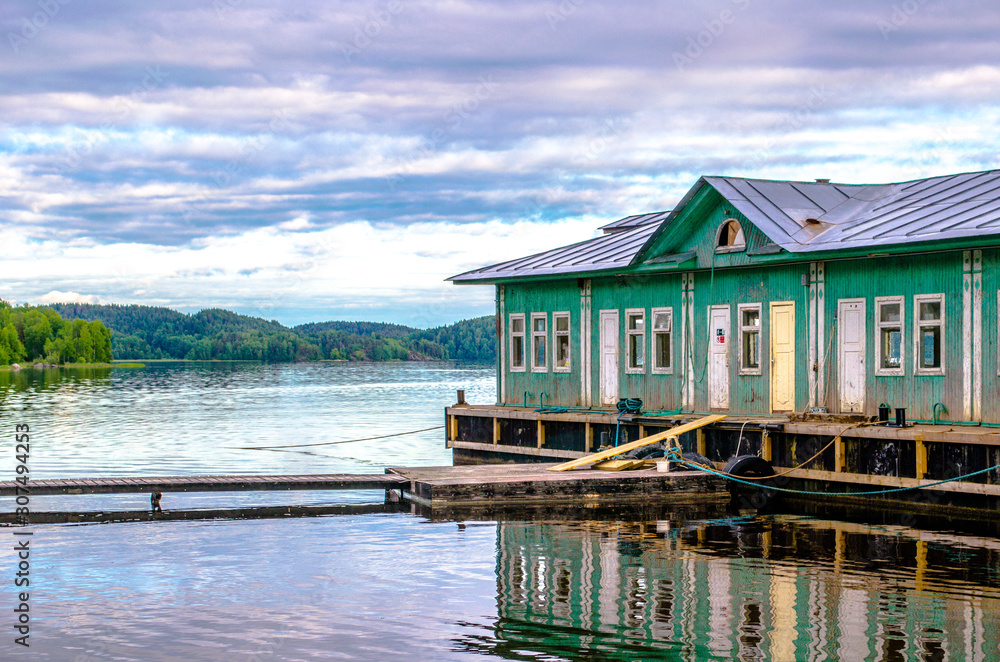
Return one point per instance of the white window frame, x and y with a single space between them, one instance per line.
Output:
731 248
917 300
544 335
759 328
629 313
881 371
513 334
653 332
556 335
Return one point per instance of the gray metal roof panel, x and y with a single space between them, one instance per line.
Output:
850 216
608 251
634 221
950 206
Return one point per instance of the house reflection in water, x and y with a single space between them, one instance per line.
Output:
774 588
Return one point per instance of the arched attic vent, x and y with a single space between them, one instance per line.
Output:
730 238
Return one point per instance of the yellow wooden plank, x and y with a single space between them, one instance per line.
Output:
619 465
638 443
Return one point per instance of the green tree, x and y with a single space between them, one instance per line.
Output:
11 348
37 330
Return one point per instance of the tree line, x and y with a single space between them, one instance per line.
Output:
149 332
32 334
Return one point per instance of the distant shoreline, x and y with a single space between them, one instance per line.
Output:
137 363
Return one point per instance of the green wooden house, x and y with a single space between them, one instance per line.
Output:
792 307
768 297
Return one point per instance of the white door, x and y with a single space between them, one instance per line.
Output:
851 331
718 358
609 357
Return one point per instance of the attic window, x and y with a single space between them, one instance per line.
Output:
730 238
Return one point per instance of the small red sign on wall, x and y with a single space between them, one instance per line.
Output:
720 336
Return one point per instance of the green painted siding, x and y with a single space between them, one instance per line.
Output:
971 363
711 210
990 347
901 276
560 388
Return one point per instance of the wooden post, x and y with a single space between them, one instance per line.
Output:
839 550
642 430
921 449
766 451
588 434
839 458
921 573
702 445
461 396
541 433
496 431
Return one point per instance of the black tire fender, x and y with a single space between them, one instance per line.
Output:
751 466
696 458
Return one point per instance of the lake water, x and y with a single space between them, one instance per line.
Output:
382 585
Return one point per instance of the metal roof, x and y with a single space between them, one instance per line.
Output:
812 216
798 217
608 251
630 222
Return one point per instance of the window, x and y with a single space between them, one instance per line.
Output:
749 338
635 321
517 343
928 311
560 324
539 348
889 318
730 238
662 336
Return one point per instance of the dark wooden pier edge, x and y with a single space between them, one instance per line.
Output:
864 457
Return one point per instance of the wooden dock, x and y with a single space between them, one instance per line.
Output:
204 484
433 487
528 484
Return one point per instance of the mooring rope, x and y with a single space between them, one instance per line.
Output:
895 490
331 443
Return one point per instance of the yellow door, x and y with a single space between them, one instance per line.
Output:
783 356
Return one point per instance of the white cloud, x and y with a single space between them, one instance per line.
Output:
55 296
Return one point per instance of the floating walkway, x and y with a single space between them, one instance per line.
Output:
168 484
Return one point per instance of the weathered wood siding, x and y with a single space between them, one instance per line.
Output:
560 388
904 276
969 280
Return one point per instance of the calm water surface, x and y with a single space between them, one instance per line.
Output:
388 586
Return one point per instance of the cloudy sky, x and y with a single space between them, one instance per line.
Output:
325 160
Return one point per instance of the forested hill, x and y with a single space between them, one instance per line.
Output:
148 332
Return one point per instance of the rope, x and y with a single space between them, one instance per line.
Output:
331 443
739 441
894 490
777 475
